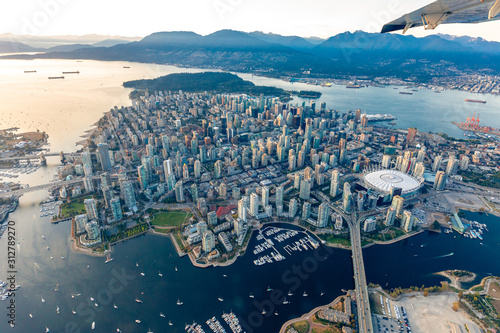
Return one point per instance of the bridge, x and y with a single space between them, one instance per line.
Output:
35 188
362 297
40 156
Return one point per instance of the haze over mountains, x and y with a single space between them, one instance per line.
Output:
358 53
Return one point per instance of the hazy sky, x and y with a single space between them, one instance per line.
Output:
323 18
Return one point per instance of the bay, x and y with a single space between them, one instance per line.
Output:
67 108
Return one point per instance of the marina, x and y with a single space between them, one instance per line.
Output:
280 235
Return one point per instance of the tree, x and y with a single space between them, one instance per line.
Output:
456 306
426 293
460 295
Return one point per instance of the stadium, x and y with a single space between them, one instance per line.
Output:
384 180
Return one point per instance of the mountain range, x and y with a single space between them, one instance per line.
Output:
345 54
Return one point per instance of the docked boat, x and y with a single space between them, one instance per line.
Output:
108 258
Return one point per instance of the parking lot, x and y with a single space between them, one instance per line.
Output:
383 324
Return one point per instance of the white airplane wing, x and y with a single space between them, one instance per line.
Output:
447 11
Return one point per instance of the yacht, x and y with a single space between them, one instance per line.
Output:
269 288
114 305
170 323
74 312
96 304
263 312
93 325
137 321
220 299
322 293
47 329
159 273
276 313
251 295
138 300
31 316
285 301
137 264
43 236
179 302
176 268
43 301
57 310
162 315
143 274
48 248
91 298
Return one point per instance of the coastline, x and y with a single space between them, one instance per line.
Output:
311 313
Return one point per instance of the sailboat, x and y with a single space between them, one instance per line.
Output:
31 316
170 323
220 299
290 293
43 301
114 305
159 273
162 315
74 312
176 268
47 329
179 302
285 301
304 294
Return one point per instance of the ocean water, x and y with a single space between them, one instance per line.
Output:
67 108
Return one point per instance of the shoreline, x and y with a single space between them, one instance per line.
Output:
306 316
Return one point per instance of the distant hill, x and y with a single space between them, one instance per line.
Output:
344 55
477 43
14 47
294 42
207 81
67 48
110 42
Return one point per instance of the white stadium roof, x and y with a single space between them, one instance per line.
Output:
384 180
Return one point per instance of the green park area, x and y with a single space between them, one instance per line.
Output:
74 207
170 219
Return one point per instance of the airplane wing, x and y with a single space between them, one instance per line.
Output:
447 11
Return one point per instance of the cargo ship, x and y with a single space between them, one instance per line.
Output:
56 77
75 72
475 100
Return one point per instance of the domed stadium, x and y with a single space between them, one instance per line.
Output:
385 180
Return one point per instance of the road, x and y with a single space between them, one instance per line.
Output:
362 298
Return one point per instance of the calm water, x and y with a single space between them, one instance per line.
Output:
67 108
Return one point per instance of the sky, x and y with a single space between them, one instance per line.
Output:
321 18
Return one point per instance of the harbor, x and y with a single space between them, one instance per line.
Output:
280 235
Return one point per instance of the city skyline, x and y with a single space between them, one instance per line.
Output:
321 19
